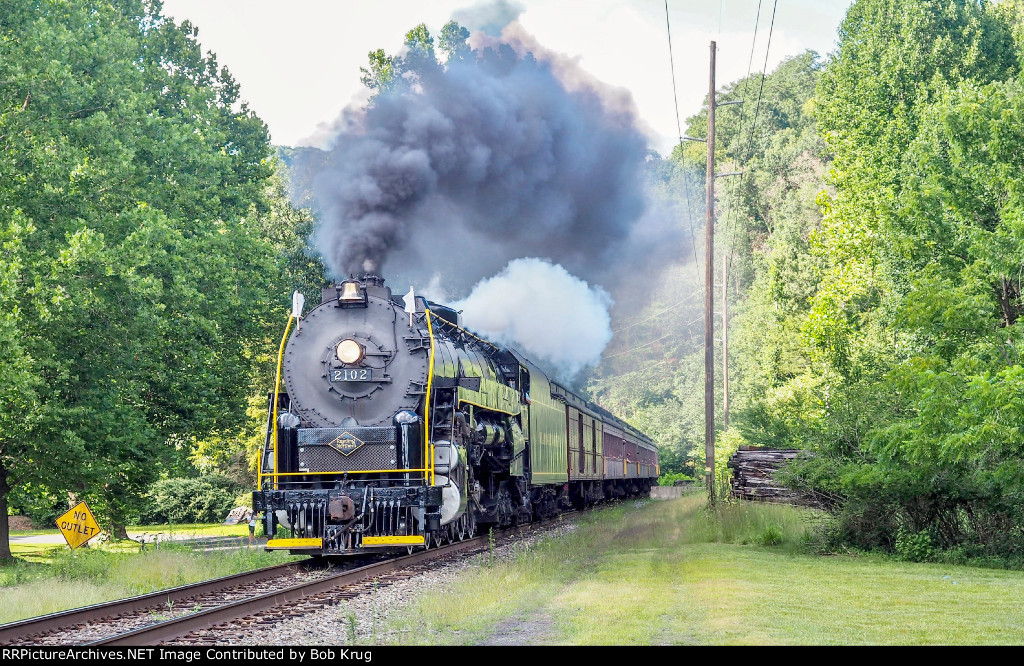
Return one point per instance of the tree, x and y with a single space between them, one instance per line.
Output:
417 59
452 41
907 323
132 181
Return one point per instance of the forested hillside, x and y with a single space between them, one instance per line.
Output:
875 252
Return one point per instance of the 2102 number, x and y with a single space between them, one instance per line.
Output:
350 375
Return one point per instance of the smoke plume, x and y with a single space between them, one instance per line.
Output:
541 309
508 151
490 158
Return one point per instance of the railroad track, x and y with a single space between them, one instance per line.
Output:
190 612
196 628
83 625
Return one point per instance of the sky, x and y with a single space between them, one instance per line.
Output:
298 62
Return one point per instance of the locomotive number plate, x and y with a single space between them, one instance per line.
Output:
351 375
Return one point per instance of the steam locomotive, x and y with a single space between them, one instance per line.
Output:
398 428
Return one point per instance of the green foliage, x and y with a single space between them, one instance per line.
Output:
914 547
146 245
881 331
670 478
388 73
452 41
193 500
771 535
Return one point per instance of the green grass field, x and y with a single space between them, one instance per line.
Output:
193 529
43 552
656 573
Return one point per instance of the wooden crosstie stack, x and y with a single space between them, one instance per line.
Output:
753 476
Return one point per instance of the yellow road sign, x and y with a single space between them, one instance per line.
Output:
78 525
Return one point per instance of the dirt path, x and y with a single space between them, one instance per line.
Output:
534 629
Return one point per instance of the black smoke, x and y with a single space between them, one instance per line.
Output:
461 168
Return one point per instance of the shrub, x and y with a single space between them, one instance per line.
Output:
771 535
191 500
669 478
915 547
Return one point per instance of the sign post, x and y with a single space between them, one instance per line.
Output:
78 525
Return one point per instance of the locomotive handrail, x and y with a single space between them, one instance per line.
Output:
443 323
429 445
277 392
358 471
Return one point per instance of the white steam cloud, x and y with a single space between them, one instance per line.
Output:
540 308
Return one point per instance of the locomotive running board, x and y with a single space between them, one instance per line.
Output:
414 540
295 543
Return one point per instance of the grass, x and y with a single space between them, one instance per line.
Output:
194 529
675 573
197 530
70 579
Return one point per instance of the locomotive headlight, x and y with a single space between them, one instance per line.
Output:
350 351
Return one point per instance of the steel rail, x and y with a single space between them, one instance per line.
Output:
56 621
181 626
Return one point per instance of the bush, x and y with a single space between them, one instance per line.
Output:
183 500
669 478
915 547
771 535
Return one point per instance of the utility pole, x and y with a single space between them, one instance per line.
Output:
709 296
709 293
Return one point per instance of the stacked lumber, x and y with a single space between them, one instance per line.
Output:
753 476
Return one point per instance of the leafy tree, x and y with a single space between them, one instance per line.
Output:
452 41
910 325
381 74
418 57
139 273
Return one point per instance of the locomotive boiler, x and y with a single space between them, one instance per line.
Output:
397 428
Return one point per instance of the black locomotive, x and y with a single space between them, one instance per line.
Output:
397 428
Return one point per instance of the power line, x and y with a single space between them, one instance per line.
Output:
633 349
648 344
656 314
764 71
679 130
672 65
743 96
730 214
